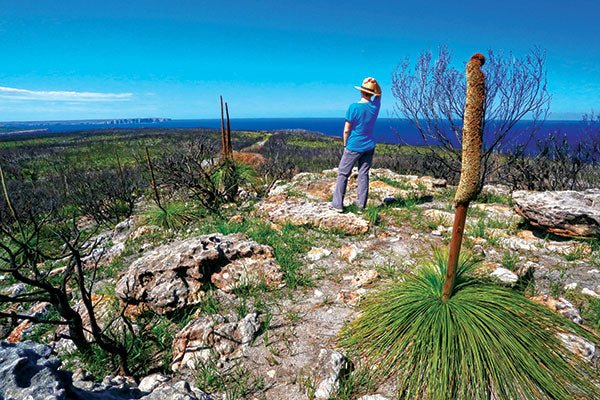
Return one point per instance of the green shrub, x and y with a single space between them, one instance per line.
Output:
485 339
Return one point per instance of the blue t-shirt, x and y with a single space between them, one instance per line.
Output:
362 116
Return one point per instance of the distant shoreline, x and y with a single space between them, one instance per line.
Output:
387 130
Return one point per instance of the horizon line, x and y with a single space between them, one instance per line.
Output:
166 119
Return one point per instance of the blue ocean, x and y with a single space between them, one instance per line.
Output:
387 130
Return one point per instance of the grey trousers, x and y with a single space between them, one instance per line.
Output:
349 158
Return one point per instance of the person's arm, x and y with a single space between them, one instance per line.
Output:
347 129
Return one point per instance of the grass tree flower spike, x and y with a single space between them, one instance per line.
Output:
471 163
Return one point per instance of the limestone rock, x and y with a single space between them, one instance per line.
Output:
565 213
171 276
384 186
202 337
578 346
302 212
248 271
496 190
151 382
589 292
331 367
38 310
351 297
110 244
505 276
27 370
440 217
365 277
317 253
349 252
560 305
179 391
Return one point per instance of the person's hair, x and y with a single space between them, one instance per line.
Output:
365 94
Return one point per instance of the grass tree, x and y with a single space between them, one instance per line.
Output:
444 333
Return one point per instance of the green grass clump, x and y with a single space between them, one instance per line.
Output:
173 215
485 339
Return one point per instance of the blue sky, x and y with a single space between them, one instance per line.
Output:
81 59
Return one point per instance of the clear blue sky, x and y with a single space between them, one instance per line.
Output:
67 59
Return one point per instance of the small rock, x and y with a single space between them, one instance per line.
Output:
594 271
562 306
571 286
373 397
317 253
365 277
212 334
271 373
179 391
122 230
589 292
331 367
236 219
351 297
349 252
578 346
318 293
151 382
504 275
496 190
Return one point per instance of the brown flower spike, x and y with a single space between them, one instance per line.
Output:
471 163
472 131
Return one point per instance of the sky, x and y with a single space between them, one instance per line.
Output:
69 59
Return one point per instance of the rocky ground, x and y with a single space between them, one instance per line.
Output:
262 320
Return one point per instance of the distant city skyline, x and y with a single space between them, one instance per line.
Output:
76 60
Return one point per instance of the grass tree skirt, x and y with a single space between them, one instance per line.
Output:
485 340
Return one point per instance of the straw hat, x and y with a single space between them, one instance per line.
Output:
370 86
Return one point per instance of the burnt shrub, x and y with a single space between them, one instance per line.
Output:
557 165
106 195
24 200
196 170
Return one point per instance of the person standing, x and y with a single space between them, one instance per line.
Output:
359 143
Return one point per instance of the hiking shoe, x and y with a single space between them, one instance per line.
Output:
337 210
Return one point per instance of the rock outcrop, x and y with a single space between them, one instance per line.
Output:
303 212
565 213
384 186
27 370
172 276
207 336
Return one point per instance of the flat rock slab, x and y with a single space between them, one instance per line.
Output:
565 213
303 212
172 276
320 186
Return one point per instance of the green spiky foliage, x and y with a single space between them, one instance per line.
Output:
172 215
485 339
230 176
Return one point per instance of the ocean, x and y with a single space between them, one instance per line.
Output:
387 130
